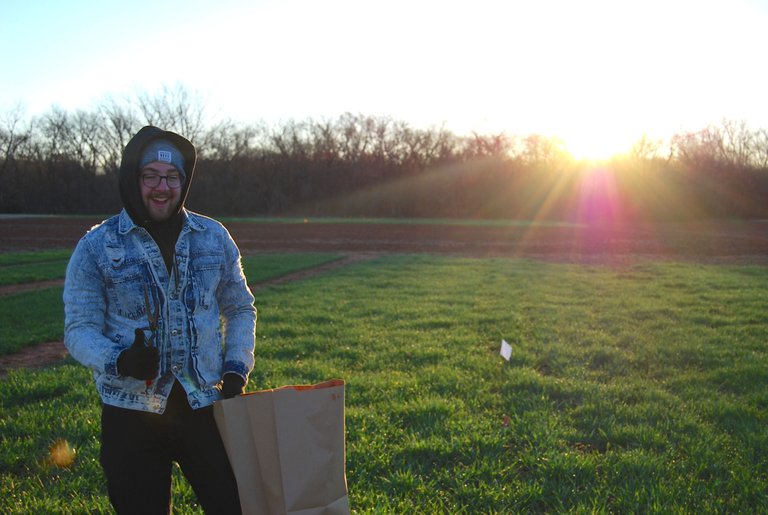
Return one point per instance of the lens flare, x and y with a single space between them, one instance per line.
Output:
61 454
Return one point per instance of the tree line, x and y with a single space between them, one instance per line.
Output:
356 165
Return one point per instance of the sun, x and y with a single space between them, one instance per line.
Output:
598 142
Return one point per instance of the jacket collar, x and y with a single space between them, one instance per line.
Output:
126 223
192 221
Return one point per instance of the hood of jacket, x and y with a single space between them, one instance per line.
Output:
128 181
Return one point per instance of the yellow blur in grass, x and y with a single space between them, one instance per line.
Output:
61 454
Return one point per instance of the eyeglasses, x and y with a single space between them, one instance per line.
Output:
151 180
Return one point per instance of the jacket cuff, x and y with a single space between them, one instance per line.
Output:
110 367
236 367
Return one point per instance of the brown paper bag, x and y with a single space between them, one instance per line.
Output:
286 447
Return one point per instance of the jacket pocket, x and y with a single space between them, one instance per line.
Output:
206 276
125 282
208 363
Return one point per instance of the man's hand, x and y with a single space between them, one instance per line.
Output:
138 360
233 385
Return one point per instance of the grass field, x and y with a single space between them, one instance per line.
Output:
25 267
641 388
36 316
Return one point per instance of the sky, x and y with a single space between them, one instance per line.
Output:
598 74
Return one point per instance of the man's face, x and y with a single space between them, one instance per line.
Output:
160 200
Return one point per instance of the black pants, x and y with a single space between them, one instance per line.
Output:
138 448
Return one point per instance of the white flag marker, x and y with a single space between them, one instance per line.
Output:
506 350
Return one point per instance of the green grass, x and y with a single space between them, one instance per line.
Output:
266 266
29 267
20 274
25 267
30 317
37 316
640 389
26 258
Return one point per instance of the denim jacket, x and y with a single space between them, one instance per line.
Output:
206 313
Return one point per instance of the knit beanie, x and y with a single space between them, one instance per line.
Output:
164 151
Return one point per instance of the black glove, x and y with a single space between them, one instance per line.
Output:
233 385
138 360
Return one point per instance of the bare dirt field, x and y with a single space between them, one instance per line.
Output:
703 242
738 242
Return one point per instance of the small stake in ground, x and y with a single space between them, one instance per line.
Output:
506 350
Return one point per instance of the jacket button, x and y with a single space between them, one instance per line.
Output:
175 332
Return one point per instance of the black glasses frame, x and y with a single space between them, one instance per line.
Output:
153 181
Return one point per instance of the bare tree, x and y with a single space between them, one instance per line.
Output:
12 135
86 141
176 109
227 141
738 143
355 136
543 153
646 148
120 123
760 149
487 145
56 130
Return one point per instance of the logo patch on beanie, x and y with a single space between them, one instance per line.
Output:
164 156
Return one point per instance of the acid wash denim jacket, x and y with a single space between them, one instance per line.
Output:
206 314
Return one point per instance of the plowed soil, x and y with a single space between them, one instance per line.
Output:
702 241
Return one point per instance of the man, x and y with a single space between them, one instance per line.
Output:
156 304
